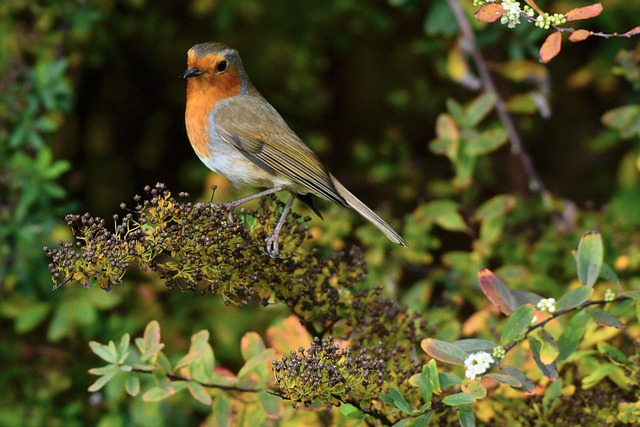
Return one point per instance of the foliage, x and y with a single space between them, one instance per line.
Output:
502 311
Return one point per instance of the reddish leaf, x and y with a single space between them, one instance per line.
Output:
579 35
497 291
551 47
632 32
585 12
490 12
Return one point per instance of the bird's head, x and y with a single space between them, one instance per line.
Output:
215 67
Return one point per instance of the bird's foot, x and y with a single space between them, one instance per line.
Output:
230 207
272 246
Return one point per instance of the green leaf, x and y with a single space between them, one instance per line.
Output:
605 318
199 393
446 379
474 388
466 416
526 384
445 214
496 291
550 371
590 255
272 405
105 352
609 274
221 411
123 348
486 142
351 412
479 109
572 335
458 399
552 394
614 354
150 345
30 317
251 345
456 110
516 324
395 399
549 350
132 386
632 294
107 372
473 345
444 351
574 298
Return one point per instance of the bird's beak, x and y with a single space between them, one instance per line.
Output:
192 72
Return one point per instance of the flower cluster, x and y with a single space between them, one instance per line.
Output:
547 305
512 13
477 364
609 295
498 352
546 20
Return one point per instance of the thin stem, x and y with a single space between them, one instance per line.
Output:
469 43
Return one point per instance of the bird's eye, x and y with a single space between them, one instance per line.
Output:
222 66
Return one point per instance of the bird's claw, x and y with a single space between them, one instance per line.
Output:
272 246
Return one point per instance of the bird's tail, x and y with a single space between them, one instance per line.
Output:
364 210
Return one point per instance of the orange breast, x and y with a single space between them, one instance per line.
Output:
203 94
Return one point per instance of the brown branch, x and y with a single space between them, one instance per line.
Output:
469 43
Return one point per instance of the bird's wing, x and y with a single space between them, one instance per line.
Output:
264 138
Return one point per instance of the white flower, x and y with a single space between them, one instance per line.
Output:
511 15
477 364
547 305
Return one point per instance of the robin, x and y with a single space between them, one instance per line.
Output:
236 132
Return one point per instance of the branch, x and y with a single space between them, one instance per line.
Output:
469 43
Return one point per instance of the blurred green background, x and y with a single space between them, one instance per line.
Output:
92 109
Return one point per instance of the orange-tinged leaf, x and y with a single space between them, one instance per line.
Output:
291 335
579 35
584 12
490 12
497 292
632 32
534 6
551 47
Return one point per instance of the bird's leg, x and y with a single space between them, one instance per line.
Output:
273 247
232 205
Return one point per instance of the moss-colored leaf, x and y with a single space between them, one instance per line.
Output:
251 345
199 393
458 399
549 350
548 370
466 417
479 108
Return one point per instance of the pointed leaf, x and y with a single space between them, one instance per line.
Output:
479 109
516 324
590 254
444 351
490 12
607 273
496 291
572 335
605 318
551 47
574 298
584 12
486 141
103 352
580 35
505 379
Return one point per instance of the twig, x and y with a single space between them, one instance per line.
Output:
469 39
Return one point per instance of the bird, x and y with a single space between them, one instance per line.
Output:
237 133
